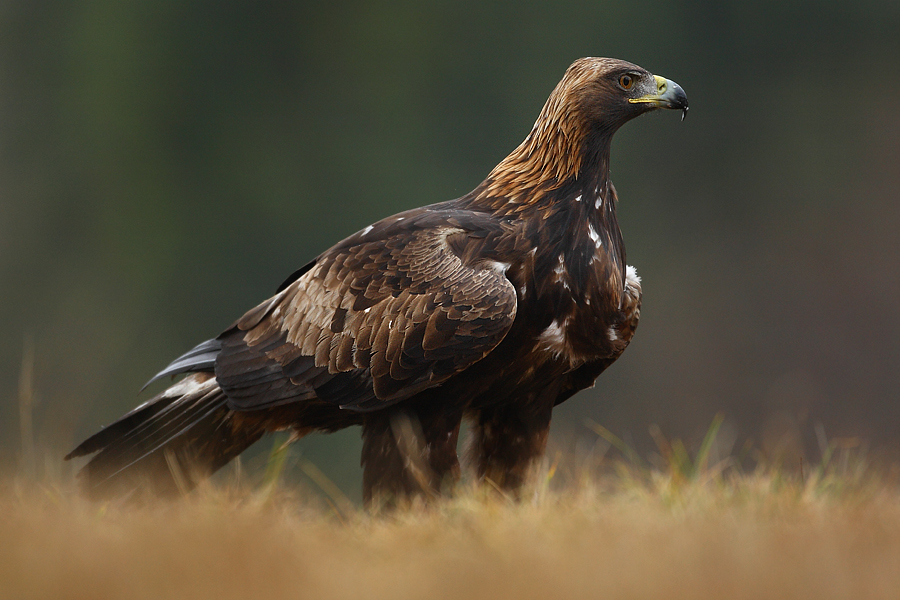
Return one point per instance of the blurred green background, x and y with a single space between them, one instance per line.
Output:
164 165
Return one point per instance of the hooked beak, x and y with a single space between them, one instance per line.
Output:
668 95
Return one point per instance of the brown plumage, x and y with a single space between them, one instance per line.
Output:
493 307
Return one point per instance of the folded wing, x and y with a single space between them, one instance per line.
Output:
372 322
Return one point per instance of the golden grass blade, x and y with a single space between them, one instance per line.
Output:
27 464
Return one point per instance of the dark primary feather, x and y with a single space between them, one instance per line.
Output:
201 357
493 307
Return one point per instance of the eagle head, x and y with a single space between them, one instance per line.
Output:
573 132
602 94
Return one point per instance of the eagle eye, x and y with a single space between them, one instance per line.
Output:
626 81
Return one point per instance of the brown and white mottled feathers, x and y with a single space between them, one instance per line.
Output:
493 307
391 311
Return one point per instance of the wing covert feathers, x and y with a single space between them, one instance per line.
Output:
371 323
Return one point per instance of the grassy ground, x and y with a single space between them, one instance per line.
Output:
680 530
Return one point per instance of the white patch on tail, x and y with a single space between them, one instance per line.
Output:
189 385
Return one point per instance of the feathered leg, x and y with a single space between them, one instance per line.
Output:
507 441
408 453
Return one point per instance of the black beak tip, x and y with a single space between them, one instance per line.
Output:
677 99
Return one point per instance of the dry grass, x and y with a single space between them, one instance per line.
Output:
640 533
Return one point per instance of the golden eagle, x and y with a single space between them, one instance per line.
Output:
493 308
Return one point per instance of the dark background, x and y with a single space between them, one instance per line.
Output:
164 165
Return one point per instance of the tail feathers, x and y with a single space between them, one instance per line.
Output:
201 357
167 445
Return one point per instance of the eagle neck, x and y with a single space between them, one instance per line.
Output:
550 166
579 232
570 224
